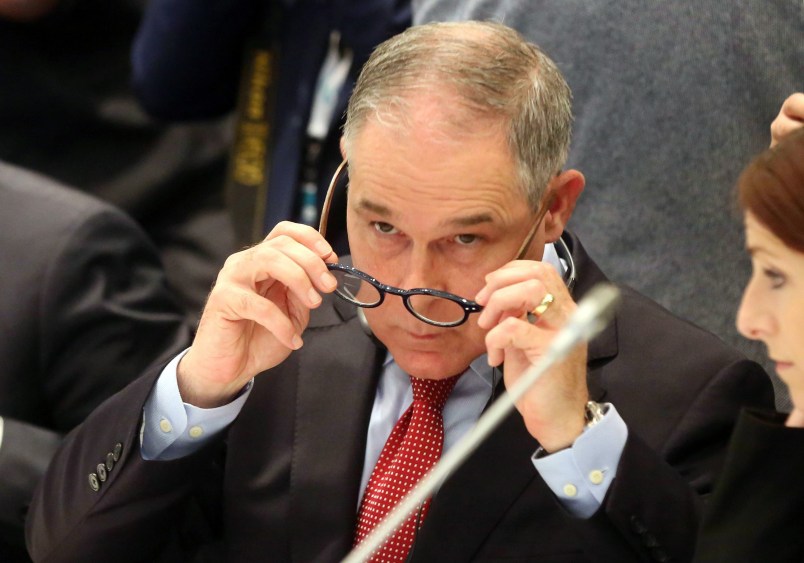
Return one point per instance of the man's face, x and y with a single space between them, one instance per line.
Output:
434 211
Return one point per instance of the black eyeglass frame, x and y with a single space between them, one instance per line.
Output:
467 305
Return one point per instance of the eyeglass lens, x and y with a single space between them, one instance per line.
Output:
427 307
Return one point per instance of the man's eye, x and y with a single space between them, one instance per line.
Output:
385 228
466 239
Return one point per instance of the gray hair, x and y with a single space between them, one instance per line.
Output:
495 74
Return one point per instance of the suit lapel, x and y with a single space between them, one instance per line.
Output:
337 378
464 512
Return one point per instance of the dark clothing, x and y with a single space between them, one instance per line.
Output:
293 458
757 511
84 309
188 55
67 111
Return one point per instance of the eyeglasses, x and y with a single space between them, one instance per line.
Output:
432 306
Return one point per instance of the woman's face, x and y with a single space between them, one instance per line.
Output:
772 309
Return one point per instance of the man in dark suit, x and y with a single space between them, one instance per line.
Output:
84 308
456 136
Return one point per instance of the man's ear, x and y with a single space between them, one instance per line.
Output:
564 191
342 144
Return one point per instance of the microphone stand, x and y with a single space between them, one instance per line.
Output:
593 314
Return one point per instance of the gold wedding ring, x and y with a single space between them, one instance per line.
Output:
540 309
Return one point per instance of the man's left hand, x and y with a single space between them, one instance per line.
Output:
553 409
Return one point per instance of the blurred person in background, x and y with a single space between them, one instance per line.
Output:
67 111
84 309
288 67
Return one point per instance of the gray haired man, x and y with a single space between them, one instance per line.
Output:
290 401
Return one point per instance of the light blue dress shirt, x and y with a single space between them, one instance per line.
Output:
579 476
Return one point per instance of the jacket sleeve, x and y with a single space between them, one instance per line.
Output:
756 511
187 54
105 313
100 499
652 510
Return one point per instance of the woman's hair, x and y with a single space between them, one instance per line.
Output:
771 188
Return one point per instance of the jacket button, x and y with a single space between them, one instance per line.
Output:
109 461
117 450
94 484
638 526
650 540
101 469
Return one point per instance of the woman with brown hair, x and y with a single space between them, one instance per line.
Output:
757 510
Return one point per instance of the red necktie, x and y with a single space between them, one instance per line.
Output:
412 449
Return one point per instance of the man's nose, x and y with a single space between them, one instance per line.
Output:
422 270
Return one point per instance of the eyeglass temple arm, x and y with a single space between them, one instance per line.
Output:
322 225
548 203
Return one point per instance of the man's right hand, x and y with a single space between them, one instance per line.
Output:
256 313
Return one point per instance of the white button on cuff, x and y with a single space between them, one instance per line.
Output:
165 426
570 490
596 476
196 432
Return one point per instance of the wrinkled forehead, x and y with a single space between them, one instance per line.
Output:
423 172
434 112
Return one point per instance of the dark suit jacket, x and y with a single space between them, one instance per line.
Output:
84 308
757 511
293 459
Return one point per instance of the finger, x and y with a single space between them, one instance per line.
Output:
281 260
537 314
790 118
515 272
512 300
305 235
781 128
235 304
793 107
514 333
314 267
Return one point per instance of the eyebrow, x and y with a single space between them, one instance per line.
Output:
753 250
467 221
377 208
470 220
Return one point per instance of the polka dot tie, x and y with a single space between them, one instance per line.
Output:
412 449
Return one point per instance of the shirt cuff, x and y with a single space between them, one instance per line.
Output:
171 428
581 475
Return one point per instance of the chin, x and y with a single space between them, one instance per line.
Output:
429 365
